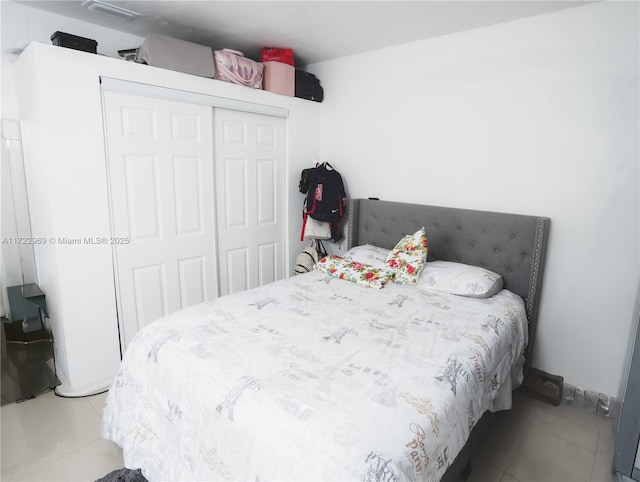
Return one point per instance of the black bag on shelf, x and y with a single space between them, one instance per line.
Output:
62 39
308 86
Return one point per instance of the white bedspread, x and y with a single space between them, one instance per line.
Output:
313 378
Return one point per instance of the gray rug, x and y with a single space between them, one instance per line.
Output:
123 475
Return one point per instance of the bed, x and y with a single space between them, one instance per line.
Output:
319 378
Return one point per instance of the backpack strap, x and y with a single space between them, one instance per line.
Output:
304 224
322 251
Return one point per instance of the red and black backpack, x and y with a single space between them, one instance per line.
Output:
326 199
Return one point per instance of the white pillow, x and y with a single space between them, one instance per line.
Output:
460 279
368 254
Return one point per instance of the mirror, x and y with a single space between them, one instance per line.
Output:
18 265
28 366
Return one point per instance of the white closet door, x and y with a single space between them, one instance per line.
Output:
161 181
250 199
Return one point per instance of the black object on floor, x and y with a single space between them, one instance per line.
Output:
28 364
28 367
543 386
123 475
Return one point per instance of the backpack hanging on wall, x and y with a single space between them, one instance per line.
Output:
305 180
326 199
309 256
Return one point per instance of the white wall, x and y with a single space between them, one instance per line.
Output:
22 24
536 116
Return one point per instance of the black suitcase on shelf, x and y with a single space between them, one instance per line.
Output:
308 86
62 39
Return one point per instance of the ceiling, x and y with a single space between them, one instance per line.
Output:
315 30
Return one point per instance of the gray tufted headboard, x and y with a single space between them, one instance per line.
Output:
513 245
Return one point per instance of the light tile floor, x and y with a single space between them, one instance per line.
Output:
58 439
539 442
51 438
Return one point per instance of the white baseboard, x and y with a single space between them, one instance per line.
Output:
66 390
594 402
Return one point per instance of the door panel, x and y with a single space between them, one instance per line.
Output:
141 177
192 280
234 177
266 182
267 268
250 198
149 291
237 272
187 176
160 165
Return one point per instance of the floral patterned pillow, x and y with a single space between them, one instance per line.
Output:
360 273
408 257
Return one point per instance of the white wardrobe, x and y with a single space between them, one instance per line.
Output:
156 190
197 203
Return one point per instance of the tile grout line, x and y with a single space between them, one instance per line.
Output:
593 465
68 454
530 424
519 441
609 450
53 461
582 425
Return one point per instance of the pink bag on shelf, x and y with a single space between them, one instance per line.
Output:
279 78
232 66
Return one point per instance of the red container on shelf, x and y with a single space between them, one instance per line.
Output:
274 54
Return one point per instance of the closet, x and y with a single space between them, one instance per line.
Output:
196 201
155 190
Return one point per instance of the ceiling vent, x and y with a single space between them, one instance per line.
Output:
119 12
